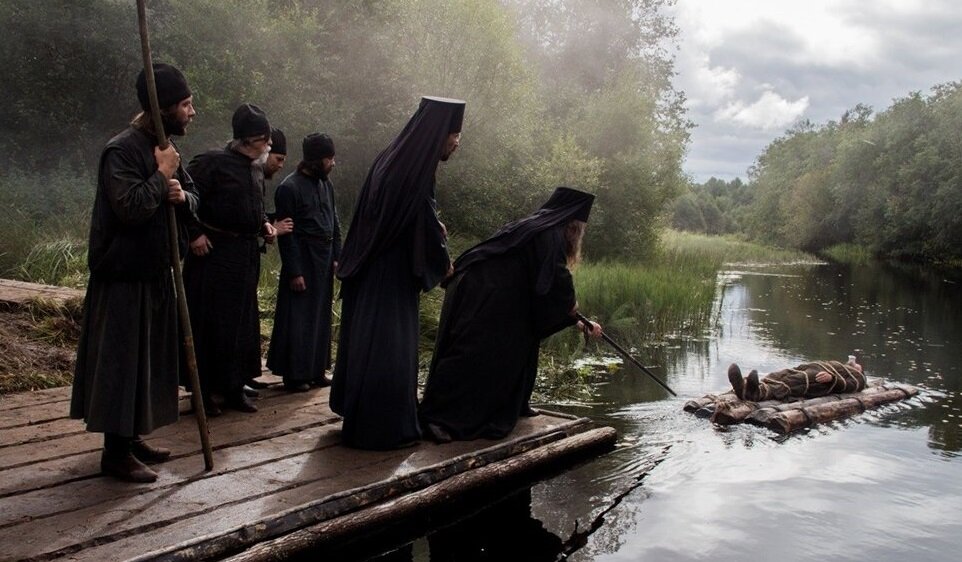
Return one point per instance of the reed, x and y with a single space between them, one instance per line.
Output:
849 253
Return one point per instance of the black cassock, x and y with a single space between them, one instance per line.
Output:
394 249
221 287
126 377
301 340
492 323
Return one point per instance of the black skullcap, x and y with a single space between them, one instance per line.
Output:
317 146
278 141
171 86
578 203
250 121
457 111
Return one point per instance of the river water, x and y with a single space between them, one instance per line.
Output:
885 485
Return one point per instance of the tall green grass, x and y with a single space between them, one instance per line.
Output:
849 253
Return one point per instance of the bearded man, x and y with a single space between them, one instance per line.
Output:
394 249
507 294
126 377
223 268
300 348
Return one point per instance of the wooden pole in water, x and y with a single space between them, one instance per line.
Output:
626 355
162 141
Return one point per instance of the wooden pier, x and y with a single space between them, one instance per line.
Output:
281 481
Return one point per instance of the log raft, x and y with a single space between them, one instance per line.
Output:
795 414
281 480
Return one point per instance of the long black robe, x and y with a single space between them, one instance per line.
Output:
394 249
126 376
493 320
301 340
221 287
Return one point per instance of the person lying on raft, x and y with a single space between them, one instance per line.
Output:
807 380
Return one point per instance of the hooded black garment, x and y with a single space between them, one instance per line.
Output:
394 249
507 294
398 195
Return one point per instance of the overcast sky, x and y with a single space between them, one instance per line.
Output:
752 68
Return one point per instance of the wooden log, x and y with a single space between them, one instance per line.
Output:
441 493
735 411
354 498
793 420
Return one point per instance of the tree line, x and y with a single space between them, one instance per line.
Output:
559 92
890 182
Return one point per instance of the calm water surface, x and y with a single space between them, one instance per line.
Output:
885 485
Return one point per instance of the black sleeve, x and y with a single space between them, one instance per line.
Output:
554 290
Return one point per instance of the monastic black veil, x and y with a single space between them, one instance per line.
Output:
506 295
394 249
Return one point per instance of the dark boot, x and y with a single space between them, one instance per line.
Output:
211 408
437 433
752 386
320 382
240 402
250 392
118 461
738 383
148 453
296 386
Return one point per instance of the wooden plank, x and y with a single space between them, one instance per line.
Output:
34 464
21 292
222 501
34 398
281 413
385 513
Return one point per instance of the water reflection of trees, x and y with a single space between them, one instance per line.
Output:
905 320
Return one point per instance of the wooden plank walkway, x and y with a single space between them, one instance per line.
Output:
276 472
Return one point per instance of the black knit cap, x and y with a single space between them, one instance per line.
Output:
317 146
250 121
171 86
278 141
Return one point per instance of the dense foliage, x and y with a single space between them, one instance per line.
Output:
889 184
559 92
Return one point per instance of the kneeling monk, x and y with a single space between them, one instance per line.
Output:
506 295
807 380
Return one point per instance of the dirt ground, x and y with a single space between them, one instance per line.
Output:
38 345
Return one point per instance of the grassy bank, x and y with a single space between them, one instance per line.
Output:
642 303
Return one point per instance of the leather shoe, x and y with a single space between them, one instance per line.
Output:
321 382
437 433
257 385
126 467
297 387
736 380
752 386
241 403
212 409
250 392
147 453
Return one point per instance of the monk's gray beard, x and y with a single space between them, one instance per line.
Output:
262 159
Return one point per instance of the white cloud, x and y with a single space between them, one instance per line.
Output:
751 68
770 112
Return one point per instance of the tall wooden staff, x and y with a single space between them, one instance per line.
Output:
624 353
174 253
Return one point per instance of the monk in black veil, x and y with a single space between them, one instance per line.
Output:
394 249
506 295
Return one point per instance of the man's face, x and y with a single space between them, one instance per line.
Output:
274 164
451 144
328 164
179 116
